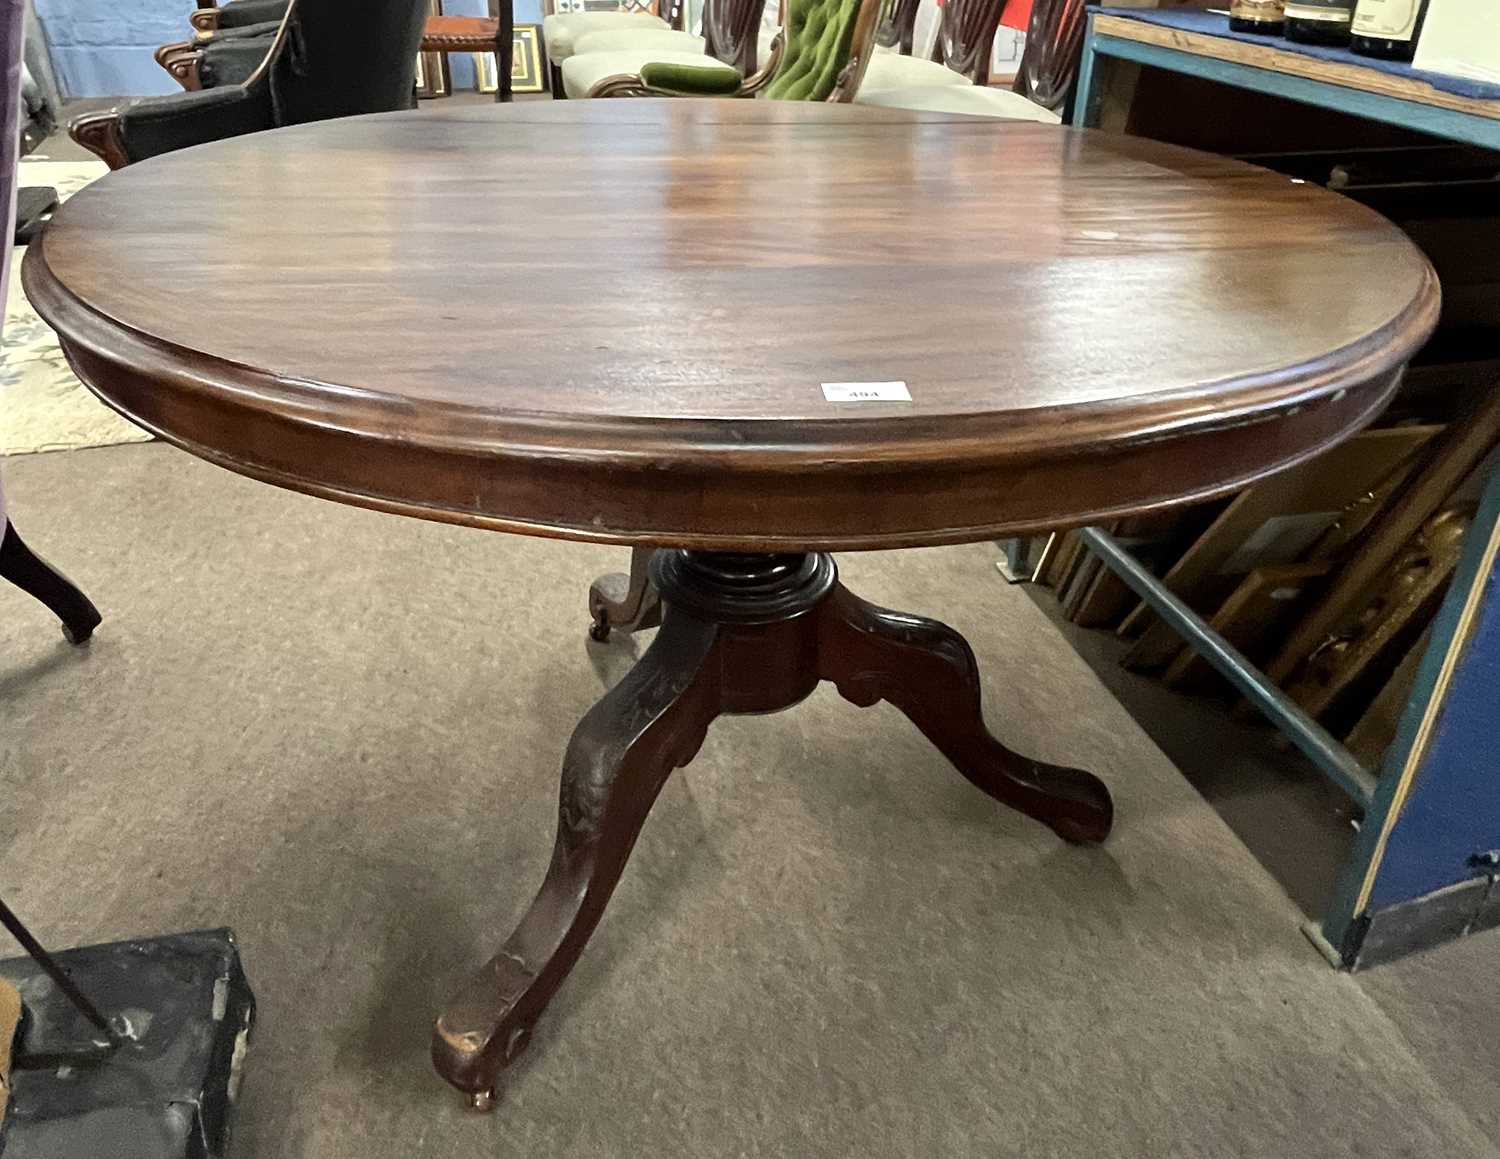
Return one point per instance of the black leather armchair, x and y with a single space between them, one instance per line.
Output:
219 58
328 58
237 14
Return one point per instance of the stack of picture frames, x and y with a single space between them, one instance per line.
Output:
528 61
1326 576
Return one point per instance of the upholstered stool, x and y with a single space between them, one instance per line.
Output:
891 70
978 100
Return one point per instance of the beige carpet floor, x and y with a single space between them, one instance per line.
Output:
339 732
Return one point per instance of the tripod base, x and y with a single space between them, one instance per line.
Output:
739 634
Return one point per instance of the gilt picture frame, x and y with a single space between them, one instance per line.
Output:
528 63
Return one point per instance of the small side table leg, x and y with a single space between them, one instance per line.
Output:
625 603
621 754
36 577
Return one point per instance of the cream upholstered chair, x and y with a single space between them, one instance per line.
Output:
582 72
956 82
966 40
729 37
562 31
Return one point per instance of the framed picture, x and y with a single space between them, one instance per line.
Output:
432 67
528 64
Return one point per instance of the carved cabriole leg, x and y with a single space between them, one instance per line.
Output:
623 751
625 603
928 671
740 634
38 578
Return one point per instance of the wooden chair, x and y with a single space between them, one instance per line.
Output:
956 80
495 34
729 37
329 58
898 27
1054 44
965 43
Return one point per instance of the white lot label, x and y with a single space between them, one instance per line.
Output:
866 392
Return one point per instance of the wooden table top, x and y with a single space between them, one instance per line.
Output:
612 320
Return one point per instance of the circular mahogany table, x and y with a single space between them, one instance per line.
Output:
613 320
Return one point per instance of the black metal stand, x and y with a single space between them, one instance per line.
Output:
66 984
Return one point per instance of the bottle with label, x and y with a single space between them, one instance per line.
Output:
1388 28
1319 21
1262 16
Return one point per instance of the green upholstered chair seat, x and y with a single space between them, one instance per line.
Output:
965 98
704 80
631 39
562 31
581 73
893 71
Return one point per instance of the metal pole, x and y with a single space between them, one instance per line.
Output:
1332 759
48 963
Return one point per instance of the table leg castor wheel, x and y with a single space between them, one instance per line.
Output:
33 575
625 603
81 631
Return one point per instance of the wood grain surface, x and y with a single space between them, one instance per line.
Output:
611 320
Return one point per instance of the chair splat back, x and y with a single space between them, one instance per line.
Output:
966 36
729 31
898 25
1054 42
